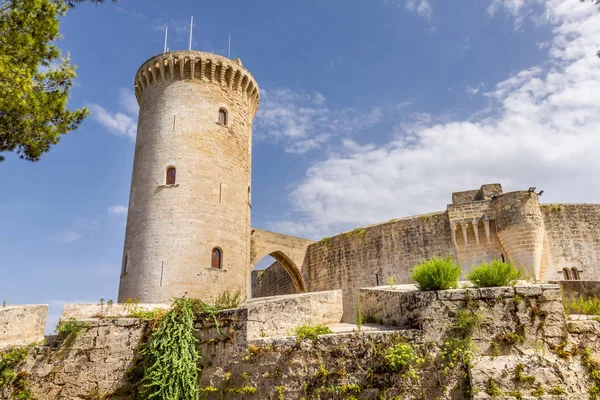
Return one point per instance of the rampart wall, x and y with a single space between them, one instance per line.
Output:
22 324
573 239
239 361
369 256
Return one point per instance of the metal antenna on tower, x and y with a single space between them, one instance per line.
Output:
166 34
229 47
191 26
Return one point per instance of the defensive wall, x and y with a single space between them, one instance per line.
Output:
519 331
22 324
479 226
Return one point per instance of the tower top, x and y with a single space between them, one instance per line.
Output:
198 65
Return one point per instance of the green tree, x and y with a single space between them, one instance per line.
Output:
35 79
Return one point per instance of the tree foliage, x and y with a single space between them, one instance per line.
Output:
35 79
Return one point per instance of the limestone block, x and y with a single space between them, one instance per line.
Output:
87 311
22 324
497 292
548 371
528 291
583 326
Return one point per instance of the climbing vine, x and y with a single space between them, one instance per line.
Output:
170 358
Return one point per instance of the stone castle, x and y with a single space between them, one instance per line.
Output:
188 226
189 234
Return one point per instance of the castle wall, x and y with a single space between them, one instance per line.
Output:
573 239
240 361
366 257
271 281
22 324
573 290
172 229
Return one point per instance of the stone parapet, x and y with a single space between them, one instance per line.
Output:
117 310
198 65
22 324
533 312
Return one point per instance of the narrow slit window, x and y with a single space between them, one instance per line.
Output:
566 274
171 172
217 258
222 116
124 266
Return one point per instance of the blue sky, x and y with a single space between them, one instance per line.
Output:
370 110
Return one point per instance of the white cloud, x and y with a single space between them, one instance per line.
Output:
473 90
128 101
542 130
303 121
117 210
66 237
119 123
421 7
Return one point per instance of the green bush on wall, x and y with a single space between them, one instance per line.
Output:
497 273
436 274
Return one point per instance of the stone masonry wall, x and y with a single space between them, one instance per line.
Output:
522 329
236 363
358 259
572 290
22 324
271 281
573 239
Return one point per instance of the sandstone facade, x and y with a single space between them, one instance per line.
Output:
172 229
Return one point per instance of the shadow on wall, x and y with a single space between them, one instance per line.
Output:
271 281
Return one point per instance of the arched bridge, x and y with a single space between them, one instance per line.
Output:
288 250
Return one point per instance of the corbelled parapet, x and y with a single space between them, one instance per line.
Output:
198 65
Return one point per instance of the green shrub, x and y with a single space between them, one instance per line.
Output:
436 274
403 358
497 273
311 331
228 299
587 307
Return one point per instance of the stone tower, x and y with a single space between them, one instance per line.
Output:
188 226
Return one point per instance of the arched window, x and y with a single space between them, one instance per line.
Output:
223 116
566 274
575 274
124 266
171 172
217 258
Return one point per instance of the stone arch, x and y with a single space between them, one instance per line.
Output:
288 250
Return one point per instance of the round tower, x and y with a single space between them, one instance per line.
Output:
188 226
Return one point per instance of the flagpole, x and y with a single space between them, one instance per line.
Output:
191 27
166 34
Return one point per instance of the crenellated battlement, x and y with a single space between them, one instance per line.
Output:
193 64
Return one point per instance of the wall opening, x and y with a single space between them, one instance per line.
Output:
566 274
270 278
223 116
574 274
217 258
171 173
125 264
